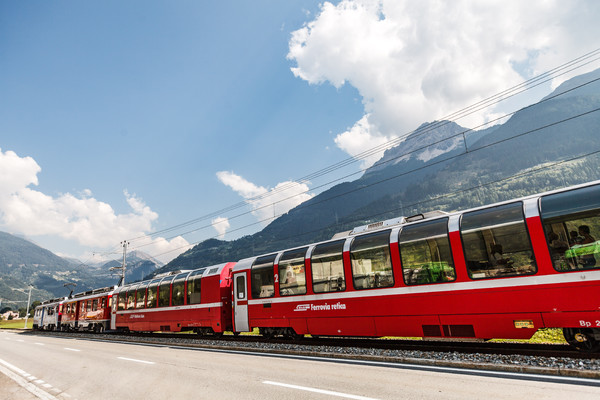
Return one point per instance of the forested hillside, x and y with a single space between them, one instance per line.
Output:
552 144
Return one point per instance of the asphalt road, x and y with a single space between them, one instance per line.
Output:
68 368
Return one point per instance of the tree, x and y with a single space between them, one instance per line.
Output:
32 307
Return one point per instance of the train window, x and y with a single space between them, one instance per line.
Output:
496 242
95 305
328 267
371 262
88 306
164 293
82 307
241 287
262 282
292 274
193 288
178 292
131 298
572 225
151 297
103 305
122 300
140 297
425 253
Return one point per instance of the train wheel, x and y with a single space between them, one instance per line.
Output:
291 334
267 333
583 339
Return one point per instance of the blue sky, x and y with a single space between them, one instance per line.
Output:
120 119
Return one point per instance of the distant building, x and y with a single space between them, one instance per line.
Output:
7 315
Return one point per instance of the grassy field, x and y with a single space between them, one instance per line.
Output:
16 324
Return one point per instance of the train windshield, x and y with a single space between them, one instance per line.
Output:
572 225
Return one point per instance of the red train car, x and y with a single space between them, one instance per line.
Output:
88 311
499 271
198 300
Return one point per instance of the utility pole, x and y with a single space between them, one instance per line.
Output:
122 267
27 313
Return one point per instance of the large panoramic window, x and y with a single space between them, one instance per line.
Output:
496 242
425 252
292 274
164 292
328 267
262 277
178 292
371 261
193 287
572 224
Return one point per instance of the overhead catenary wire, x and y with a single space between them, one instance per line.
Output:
492 100
404 155
428 166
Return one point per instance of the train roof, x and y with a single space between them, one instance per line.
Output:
402 221
178 275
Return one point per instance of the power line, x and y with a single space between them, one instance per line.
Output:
428 166
492 100
404 155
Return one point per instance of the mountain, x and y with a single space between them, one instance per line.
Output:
138 265
442 165
24 264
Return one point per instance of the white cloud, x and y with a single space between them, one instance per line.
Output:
269 202
221 225
414 62
81 219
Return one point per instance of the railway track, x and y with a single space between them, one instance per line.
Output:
437 346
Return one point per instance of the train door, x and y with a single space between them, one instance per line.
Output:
113 311
240 302
43 313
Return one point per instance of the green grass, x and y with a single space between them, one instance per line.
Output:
16 324
545 335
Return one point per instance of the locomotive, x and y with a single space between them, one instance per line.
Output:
499 271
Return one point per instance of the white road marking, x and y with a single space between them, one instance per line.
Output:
40 344
134 360
20 340
39 381
69 349
321 391
47 385
9 370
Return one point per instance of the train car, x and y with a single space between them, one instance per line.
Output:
499 271
47 316
89 311
198 300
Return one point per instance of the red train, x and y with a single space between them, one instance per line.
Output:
499 271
